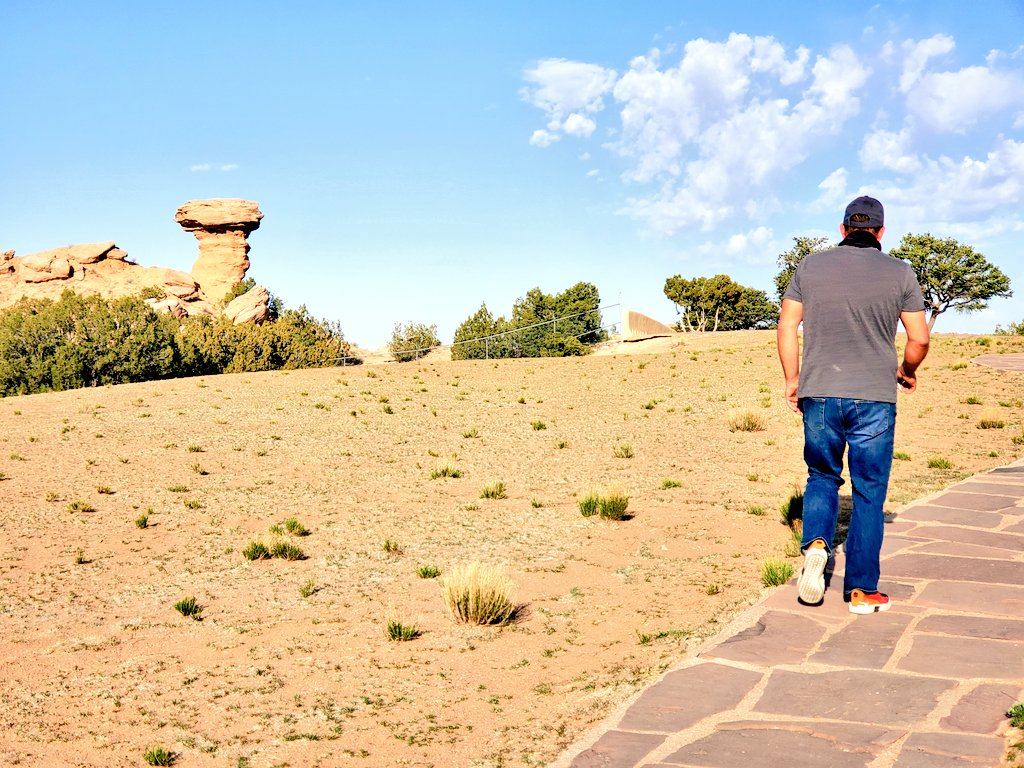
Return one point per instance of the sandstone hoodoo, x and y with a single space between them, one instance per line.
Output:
221 226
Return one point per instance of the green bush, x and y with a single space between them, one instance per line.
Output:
412 340
79 341
542 325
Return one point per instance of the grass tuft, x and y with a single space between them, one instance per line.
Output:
80 506
158 756
624 451
392 547
939 462
747 421
445 470
295 528
400 632
256 550
479 594
494 491
774 573
428 571
669 483
286 550
142 521
538 425
188 606
307 588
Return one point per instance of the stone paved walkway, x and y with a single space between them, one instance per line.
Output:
925 685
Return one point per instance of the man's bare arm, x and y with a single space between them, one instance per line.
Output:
916 350
790 316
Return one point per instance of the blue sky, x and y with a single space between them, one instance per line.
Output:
414 160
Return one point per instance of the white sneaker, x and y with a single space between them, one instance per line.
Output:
811 585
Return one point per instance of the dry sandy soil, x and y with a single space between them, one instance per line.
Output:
98 666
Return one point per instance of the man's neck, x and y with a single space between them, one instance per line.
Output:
861 238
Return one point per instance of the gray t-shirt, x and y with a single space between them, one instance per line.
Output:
852 299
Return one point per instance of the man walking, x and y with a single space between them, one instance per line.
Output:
849 299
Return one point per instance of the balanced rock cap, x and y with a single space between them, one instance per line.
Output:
219 213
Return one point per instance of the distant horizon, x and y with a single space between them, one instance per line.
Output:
414 163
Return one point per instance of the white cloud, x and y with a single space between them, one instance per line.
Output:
568 92
952 102
718 149
917 54
578 125
948 192
743 243
889 151
592 173
833 189
584 156
201 167
542 138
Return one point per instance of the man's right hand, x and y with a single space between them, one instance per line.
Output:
907 381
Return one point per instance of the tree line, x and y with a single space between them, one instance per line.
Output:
953 276
80 341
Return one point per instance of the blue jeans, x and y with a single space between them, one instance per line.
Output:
868 428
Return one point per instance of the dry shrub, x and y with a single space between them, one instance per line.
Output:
479 594
746 421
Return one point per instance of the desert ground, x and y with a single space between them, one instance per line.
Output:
289 663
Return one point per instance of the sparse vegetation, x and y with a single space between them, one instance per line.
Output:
623 451
445 470
142 521
400 632
256 550
669 483
294 527
158 756
747 421
392 547
307 588
538 425
775 573
479 594
286 550
428 571
901 455
189 607
939 462
494 491
80 506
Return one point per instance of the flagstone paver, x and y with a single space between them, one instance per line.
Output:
776 638
862 696
970 750
867 644
687 695
988 659
997 599
935 567
761 746
1000 540
933 512
975 501
981 710
925 685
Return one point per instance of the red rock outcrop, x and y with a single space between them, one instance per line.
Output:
221 226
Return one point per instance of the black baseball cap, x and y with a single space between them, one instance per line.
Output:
869 207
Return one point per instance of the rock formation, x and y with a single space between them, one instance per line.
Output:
220 226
